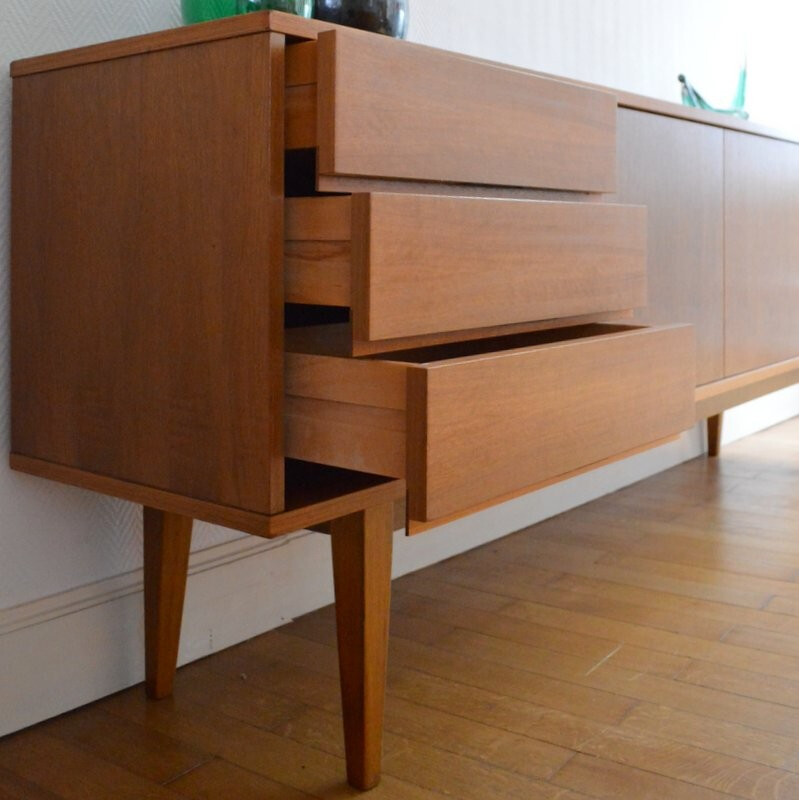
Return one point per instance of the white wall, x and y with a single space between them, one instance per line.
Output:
635 45
70 621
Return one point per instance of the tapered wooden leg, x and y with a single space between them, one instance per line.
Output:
714 425
362 565
167 539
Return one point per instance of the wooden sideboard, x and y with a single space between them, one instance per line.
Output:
274 274
722 200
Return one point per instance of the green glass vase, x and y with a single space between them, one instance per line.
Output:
205 10
303 8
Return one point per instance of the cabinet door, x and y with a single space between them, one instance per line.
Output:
674 167
760 251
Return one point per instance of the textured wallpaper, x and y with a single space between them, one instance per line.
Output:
53 538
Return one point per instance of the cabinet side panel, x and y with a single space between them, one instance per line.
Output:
760 251
674 167
146 212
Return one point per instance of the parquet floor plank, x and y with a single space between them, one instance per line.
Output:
642 647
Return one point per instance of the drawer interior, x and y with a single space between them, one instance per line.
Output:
455 352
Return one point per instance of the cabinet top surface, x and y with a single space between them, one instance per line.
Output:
298 28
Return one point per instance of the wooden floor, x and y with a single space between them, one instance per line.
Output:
642 646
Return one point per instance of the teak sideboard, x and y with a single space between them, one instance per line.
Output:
275 274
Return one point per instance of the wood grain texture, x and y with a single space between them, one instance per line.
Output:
348 435
146 328
304 33
156 757
140 45
301 64
314 495
15 787
318 273
229 516
317 251
534 406
666 108
318 218
215 780
423 264
361 545
415 526
482 704
304 66
761 266
300 124
167 541
397 110
675 168
336 339
714 397
359 381
49 768
358 185
714 430
539 412
304 58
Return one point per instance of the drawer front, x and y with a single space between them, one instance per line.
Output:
485 427
469 429
390 109
410 265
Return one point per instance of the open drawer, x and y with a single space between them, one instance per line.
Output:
469 423
375 107
411 265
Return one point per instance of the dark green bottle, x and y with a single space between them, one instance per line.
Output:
204 10
303 8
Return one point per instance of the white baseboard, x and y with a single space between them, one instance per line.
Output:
763 412
60 652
